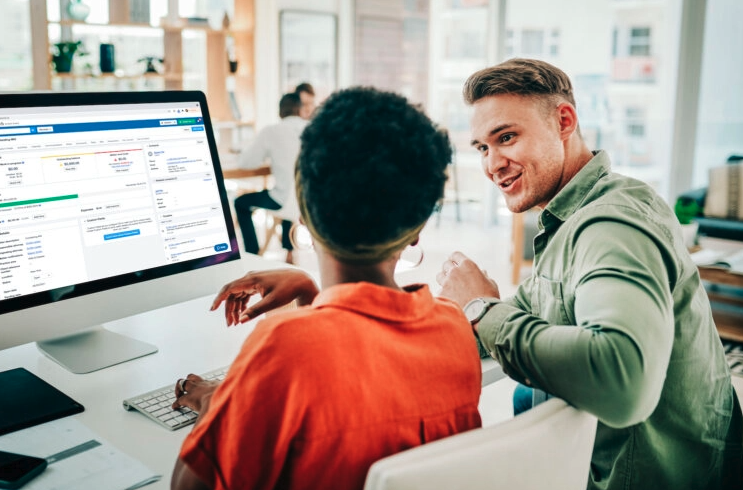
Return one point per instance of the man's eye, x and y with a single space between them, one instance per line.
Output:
482 148
506 138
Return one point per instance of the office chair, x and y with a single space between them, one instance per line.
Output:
549 446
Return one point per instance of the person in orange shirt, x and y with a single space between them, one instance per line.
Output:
365 368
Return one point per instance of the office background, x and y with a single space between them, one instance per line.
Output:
658 82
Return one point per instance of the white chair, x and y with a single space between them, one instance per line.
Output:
547 447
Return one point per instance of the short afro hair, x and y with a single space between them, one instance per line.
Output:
371 168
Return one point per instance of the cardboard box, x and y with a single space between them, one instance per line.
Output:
725 192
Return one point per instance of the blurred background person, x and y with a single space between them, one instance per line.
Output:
279 144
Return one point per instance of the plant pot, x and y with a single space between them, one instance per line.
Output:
689 234
62 64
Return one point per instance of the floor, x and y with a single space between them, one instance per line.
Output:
488 246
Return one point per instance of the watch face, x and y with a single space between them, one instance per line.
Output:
473 309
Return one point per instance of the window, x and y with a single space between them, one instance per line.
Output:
635 129
510 47
308 50
614 42
532 42
719 121
15 60
553 47
635 122
624 84
639 41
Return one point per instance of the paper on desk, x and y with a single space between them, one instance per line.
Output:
77 458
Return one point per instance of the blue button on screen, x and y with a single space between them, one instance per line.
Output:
220 247
121 234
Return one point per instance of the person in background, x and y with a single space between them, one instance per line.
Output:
279 144
307 95
614 318
366 368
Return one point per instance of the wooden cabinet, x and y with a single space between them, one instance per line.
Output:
172 32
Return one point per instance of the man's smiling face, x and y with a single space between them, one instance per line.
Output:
521 145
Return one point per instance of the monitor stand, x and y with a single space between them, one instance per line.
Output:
94 349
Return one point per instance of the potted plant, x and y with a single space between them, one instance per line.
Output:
686 209
64 52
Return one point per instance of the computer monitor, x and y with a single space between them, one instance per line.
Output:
111 204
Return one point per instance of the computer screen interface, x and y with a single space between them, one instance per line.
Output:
101 195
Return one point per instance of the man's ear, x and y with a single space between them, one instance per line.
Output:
568 119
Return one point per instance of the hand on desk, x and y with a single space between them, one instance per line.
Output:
194 392
276 287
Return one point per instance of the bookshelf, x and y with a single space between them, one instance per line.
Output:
171 34
725 292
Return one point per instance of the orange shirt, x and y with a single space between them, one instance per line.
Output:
318 394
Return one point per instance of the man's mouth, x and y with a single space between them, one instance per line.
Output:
504 184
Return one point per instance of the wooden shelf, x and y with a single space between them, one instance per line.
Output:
725 292
81 76
171 29
720 276
729 326
71 23
165 27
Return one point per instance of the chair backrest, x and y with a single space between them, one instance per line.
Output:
549 446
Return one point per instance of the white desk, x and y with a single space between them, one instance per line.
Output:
190 340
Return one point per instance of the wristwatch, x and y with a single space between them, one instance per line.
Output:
476 309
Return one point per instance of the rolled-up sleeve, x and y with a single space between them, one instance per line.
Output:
611 361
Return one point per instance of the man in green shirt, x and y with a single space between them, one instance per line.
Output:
614 318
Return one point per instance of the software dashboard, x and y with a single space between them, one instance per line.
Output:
90 192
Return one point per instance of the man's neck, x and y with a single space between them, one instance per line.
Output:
577 155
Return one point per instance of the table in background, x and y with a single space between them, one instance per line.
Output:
244 173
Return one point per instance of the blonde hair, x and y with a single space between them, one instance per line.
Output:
519 76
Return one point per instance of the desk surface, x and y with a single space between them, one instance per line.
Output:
190 339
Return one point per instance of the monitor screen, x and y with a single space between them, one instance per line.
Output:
104 191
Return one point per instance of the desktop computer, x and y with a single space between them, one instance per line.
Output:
111 204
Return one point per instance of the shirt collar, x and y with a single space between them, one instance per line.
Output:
573 195
412 303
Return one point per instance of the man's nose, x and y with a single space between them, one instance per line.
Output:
493 162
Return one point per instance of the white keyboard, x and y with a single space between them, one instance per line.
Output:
157 404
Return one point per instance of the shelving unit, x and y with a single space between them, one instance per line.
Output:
218 79
725 291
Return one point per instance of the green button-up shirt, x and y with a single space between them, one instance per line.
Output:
614 320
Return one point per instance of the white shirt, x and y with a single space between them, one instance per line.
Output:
280 144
